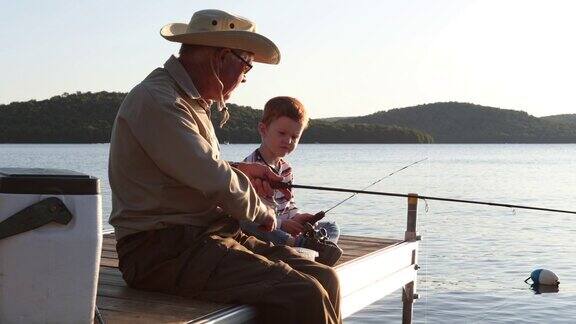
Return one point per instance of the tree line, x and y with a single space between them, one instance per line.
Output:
88 118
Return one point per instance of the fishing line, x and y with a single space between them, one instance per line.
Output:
424 251
319 215
281 185
426 206
375 182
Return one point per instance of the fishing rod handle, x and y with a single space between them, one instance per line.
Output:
317 217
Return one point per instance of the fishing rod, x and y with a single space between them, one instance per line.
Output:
282 185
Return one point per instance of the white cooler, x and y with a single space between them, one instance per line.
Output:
50 243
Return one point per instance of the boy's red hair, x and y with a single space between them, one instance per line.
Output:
284 107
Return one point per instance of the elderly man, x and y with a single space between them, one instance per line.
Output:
177 204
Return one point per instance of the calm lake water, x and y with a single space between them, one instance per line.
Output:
474 258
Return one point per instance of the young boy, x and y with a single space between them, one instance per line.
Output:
282 124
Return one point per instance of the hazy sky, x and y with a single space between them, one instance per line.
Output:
341 58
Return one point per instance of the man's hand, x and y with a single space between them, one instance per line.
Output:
260 176
291 226
268 224
303 218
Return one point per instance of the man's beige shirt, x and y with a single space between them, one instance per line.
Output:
165 167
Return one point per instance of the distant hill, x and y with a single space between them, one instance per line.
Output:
69 118
89 117
455 122
569 119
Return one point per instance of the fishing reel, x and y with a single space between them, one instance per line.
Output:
311 232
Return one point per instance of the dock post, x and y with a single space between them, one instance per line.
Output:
410 236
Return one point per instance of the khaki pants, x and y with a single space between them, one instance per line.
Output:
221 264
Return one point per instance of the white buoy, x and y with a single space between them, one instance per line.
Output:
543 277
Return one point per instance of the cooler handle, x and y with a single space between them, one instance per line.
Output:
48 210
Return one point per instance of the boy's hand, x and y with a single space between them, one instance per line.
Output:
303 218
260 176
291 226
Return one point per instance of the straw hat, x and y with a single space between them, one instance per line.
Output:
221 29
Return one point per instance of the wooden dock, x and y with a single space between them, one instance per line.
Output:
370 269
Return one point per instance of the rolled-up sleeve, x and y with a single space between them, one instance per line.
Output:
169 134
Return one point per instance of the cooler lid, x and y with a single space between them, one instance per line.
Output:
47 181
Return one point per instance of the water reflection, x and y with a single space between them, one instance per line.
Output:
544 289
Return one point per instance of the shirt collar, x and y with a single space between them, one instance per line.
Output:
260 158
179 74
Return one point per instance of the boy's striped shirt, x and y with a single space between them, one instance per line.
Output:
285 208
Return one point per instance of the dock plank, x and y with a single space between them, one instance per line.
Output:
120 304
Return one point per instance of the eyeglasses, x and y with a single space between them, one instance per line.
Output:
247 66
